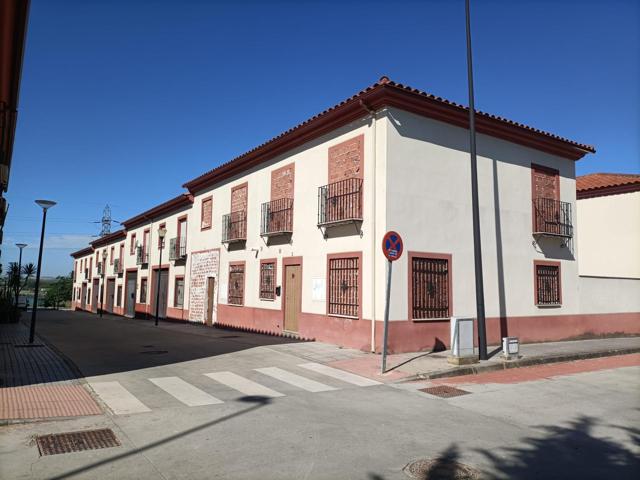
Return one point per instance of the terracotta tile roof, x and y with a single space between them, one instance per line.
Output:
159 210
598 184
82 252
386 92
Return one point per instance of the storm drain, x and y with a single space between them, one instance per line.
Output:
154 352
230 336
444 391
440 469
76 441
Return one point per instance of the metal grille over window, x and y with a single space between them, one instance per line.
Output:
548 284
267 281
236 284
343 286
430 284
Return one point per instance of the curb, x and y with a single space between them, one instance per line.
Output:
524 362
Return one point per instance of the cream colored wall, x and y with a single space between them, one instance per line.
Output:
175 268
609 235
311 172
429 204
609 295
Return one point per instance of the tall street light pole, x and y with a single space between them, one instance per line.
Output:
102 270
45 205
20 246
477 246
162 232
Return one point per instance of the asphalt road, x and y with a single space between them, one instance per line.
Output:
580 425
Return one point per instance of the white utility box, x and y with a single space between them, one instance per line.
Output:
462 350
510 347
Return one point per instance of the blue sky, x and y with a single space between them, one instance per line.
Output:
123 101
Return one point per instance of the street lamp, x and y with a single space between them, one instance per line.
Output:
45 205
162 232
20 246
104 261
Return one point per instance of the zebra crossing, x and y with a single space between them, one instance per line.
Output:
122 402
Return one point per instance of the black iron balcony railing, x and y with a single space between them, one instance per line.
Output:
277 217
552 217
177 248
340 202
117 266
142 257
234 227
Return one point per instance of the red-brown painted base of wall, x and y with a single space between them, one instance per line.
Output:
409 336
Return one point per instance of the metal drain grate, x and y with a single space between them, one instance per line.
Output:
444 391
154 352
440 469
76 441
230 336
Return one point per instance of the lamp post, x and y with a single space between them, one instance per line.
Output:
20 246
45 205
162 232
104 260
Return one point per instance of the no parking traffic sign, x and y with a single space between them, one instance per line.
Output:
392 246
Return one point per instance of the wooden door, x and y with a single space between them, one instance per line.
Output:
211 288
164 291
292 297
95 291
130 301
111 291
83 299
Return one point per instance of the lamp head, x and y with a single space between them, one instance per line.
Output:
45 204
104 254
162 232
21 245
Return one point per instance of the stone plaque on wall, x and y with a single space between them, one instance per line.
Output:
203 265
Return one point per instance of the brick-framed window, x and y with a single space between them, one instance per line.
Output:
344 285
236 283
90 268
161 240
119 297
430 295
112 255
143 290
97 257
178 292
121 255
145 240
547 283
206 213
268 279
132 245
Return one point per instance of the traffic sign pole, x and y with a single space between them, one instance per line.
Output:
386 318
392 248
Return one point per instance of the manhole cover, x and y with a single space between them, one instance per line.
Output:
154 352
440 469
76 441
444 391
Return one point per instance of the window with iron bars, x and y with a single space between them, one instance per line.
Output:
343 286
268 281
548 285
236 285
429 288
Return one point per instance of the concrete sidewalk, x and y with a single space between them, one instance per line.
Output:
431 365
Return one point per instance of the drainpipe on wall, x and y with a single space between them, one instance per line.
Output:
373 229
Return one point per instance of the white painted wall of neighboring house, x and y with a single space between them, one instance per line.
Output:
609 235
429 204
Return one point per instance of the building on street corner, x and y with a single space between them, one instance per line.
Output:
285 239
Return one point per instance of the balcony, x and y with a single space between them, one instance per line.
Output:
117 266
552 218
142 257
277 217
234 227
178 248
340 202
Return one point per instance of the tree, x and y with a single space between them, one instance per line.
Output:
59 291
15 281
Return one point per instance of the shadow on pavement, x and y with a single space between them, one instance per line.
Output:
90 346
561 452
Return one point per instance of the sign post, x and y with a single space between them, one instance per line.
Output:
392 247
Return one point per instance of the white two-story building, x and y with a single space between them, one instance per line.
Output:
286 238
